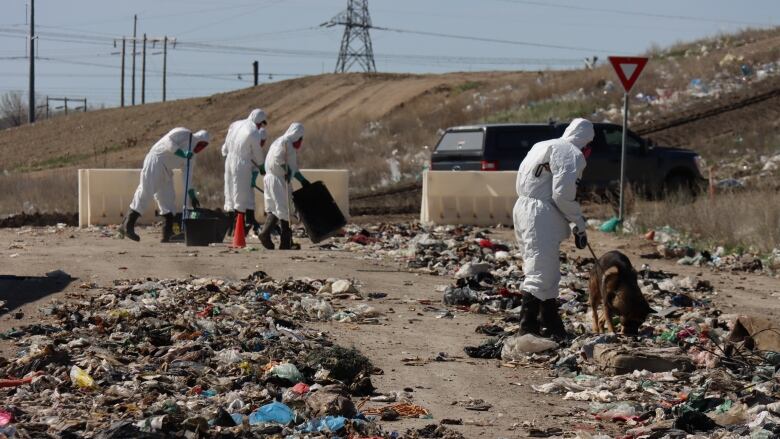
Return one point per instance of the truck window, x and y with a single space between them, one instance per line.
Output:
613 137
520 138
461 141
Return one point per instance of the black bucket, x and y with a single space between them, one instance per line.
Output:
222 226
320 215
200 231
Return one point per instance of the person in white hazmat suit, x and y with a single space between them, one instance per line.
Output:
173 151
281 165
546 207
244 161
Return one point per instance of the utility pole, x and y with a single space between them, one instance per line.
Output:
165 64
47 107
356 47
255 69
143 73
145 40
135 23
31 101
122 81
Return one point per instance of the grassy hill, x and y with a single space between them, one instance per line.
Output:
359 121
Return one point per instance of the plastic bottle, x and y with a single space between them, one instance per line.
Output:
80 378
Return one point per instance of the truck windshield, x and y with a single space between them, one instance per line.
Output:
461 141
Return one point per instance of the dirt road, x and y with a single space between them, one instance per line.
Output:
409 330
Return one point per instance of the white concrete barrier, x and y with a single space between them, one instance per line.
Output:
105 194
482 198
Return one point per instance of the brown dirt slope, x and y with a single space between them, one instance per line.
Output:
121 136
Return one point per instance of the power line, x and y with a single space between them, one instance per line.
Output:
494 40
635 13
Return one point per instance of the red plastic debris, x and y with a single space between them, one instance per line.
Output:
6 418
301 388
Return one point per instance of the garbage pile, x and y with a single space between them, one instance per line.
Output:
691 369
672 244
200 357
440 250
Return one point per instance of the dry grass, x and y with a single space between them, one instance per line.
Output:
741 221
346 134
49 191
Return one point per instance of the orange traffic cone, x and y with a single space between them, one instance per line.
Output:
650 236
239 241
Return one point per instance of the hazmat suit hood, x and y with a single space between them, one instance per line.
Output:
197 138
579 133
294 133
200 136
257 116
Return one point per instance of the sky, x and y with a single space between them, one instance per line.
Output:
217 41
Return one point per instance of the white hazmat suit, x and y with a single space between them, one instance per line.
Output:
242 150
282 158
157 171
546 186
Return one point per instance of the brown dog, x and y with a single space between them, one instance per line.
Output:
617 292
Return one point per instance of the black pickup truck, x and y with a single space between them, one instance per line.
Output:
650 169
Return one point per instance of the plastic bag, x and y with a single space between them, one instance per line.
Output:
80 378
317 308
330 424
459 296
610 225
229 356
516 347
275 413
287 371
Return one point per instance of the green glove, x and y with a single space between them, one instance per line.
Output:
262 169
254 178
193 198
184 154
301 178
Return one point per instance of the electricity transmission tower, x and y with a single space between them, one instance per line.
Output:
356 42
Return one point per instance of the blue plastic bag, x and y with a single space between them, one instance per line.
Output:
330 424
275 413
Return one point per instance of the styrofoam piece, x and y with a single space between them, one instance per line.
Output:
336 180
482 198
105 194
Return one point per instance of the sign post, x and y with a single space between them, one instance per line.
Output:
628 70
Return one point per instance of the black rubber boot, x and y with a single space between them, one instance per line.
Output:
529 313
285 240
231 217
251 222
127 228
265 236
551 320
167 231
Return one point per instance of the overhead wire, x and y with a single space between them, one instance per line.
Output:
577 7
494 40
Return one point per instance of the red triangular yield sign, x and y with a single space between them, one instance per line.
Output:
628 69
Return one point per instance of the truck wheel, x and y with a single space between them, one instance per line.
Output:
681 186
